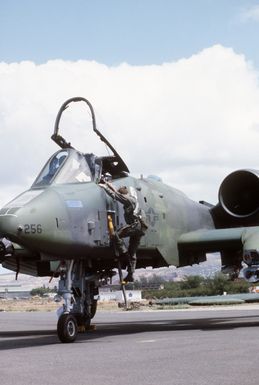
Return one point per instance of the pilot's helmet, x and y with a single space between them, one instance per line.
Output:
107 176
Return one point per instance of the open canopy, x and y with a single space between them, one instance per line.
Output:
112 164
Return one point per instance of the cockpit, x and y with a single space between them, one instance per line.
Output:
68 166
71 166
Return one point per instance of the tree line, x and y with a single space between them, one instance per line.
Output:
190 286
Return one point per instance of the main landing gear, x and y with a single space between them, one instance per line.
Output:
79 288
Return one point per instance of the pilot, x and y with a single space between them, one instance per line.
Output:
53 166
134 229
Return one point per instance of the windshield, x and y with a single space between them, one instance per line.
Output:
66 166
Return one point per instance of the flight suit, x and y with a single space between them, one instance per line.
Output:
134 229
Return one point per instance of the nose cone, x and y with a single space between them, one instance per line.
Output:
19 213
9 225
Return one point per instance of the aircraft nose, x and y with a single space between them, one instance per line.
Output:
9 225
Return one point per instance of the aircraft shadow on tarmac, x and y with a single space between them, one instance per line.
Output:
32 338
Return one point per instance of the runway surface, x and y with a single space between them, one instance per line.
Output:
142 348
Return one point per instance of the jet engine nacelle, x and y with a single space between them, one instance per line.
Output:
251 274
239 193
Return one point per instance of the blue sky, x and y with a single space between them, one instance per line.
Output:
138 32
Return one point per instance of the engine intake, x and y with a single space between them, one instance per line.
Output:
239 193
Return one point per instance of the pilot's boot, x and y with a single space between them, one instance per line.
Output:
131 269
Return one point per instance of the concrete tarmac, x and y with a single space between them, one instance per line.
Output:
142 348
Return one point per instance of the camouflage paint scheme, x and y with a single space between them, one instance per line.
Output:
70 221
67 221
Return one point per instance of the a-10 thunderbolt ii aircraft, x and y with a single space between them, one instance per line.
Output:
59 227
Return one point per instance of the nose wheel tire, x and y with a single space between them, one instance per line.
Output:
67 328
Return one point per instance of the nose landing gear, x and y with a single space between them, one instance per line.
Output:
78 289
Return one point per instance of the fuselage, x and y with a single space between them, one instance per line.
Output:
69 220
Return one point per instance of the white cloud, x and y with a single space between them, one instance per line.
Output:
251 13
191 121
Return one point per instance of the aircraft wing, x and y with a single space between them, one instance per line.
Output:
246 238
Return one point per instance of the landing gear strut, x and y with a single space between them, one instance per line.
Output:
78 288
